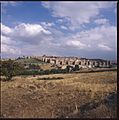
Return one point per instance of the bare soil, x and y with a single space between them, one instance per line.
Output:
77 95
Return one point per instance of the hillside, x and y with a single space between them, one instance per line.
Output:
75 95
43 65
30 60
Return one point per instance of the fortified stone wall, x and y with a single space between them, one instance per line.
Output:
85 63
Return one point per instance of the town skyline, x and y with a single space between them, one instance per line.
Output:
56 56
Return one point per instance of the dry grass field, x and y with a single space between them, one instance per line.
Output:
77 95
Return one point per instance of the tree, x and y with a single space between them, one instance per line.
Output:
76 67
11 68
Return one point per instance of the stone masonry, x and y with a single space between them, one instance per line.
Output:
72 61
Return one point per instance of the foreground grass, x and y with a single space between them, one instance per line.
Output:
67 97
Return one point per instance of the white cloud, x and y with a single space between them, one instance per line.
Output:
5 40
101 37
64 27
35 39
10 49
77 13
14 40
8 45
30 30
60 20
104 47
76 43
30 33
46 25
102 21
5 29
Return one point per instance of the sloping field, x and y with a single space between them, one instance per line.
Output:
82 95
30 60
47 66
43 65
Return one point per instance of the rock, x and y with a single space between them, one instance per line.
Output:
111 100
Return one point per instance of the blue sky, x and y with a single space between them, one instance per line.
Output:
59 28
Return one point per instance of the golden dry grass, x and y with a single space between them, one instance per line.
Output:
30 97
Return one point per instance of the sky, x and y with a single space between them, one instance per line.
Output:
68 28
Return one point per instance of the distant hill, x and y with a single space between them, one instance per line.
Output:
43 65
30 61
